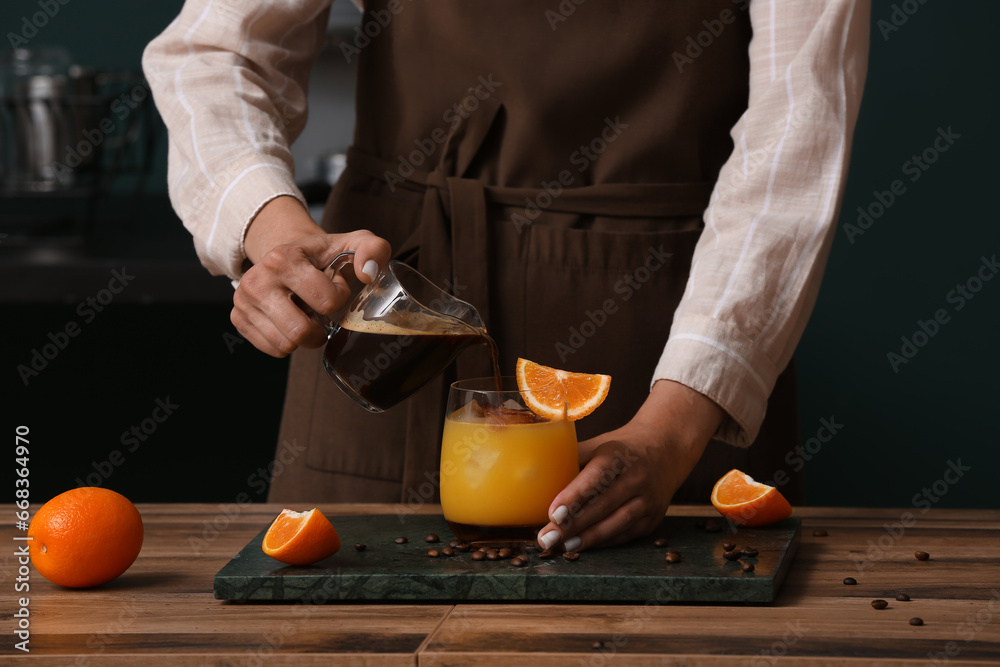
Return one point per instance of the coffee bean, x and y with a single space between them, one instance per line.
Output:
597 646
454 543
732 555
712 526
531 548
484 549
546 553
748 567
673 557
518 561
660 542
750 552
492 555
850 581
401 540
463 547
921 555
571 556
432 538
447 551
505 553
478 555
433 553
903 597
879 604
728 546
820 533
916 620
359 547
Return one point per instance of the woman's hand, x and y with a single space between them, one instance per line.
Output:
630 474
289 252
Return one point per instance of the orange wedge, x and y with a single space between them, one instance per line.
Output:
301 538
748 503
558 395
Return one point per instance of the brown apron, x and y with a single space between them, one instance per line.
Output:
553 173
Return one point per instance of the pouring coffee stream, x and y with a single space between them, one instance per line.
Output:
397 334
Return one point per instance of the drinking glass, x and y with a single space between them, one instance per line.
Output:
501 464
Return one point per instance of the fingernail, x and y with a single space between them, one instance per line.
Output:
370 269
573 543
549 539
560 514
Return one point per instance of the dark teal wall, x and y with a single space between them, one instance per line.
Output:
902 426
899 429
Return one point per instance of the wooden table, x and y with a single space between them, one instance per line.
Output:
162 612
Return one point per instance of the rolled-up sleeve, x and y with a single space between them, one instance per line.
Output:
769 226
230 78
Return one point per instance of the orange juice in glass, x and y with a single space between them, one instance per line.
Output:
501 464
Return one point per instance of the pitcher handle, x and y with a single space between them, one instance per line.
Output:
337 265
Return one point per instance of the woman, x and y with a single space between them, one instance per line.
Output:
643 189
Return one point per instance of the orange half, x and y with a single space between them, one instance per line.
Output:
558 395
301 538
748 503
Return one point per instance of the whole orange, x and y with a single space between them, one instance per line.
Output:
85 537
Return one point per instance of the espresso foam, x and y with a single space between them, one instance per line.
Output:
415 325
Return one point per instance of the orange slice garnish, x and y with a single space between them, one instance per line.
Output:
558 395
301 538
748 503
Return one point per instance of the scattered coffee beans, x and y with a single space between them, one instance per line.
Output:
903 597
673 557
492 554
518 561
478 555
879 604
571 556
484 549
750 552
546 553
447 551
432 538
660 542
463 547
748 567
732 555
728 546
401 540
850 581
597 646
712 526
505 553
820 533
454 543
358 546
916 620
921 555
433 553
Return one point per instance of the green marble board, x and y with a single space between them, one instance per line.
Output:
635 572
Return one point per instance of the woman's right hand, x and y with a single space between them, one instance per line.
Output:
289 253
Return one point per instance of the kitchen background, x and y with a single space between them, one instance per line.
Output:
161 356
